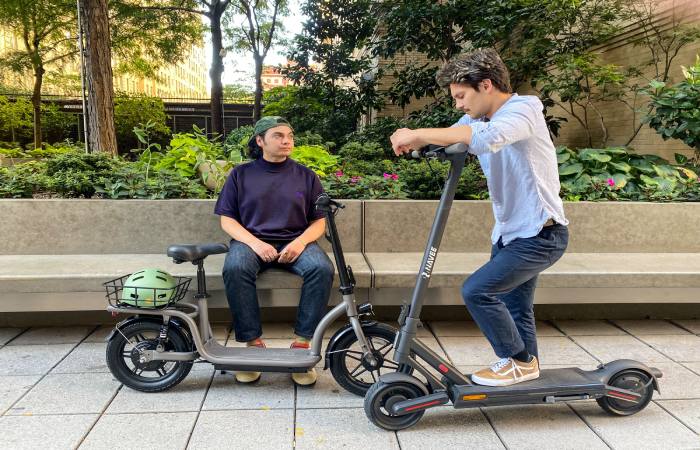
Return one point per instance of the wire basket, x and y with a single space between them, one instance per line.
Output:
145 297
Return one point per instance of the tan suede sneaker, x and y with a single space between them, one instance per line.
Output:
507 371
309 377
250 377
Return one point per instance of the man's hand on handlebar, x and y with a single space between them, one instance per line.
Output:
404 140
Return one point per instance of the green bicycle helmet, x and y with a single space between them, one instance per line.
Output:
149 288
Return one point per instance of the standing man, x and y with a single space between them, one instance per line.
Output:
267 206
509 135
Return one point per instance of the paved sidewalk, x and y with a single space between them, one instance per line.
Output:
56 392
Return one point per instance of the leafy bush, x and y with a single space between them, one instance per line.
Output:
316 158
23 180
380 131
237 140
386 186
614 174
133 111
425 180
187 151
129 181
676 112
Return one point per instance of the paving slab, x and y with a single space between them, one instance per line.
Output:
693 325
76 393
446 427
100 334
272 391
677 382
244 429
644 327
609 348
340 428
45 432
186 396
326 393
687 411
52 335
141 431
85 358
588 328
8 333
31 359
651 428
679 348
468 350
13 387
562 350
542 427
694 366
461 328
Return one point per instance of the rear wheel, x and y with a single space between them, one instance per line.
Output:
123 357
382 396
632 380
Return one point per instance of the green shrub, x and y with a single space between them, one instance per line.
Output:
676 112
187 151
23 180
614 174
425 180
386 186
133 111
316 158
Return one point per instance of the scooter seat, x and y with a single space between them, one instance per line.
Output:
194 252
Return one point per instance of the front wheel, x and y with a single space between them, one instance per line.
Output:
380 398
125 347
351 368
631 380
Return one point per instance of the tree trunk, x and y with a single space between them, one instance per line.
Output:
217 68
258 88
36 103
98 74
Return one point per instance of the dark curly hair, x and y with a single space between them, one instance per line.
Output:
472 68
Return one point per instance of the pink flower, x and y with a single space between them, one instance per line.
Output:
339 173
386 175
354 180
611 182
394 176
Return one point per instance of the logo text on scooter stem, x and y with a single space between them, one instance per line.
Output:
429 263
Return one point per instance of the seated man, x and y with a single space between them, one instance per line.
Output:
267 206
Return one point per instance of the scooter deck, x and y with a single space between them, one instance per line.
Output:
553 385
260 359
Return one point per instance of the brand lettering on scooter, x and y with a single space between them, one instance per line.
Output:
429 263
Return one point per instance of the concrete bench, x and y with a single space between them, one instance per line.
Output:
618 252
56 253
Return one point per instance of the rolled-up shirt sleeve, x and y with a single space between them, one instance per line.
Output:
504 129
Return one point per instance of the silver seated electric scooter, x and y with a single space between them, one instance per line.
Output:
399 400
155 348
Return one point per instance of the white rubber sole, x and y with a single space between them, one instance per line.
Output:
496 383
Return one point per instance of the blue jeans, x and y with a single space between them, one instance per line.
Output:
500 294
241 269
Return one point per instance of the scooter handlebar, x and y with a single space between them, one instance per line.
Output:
430 151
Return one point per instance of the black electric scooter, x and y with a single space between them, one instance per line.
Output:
398 400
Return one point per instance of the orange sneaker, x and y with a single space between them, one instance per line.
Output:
507 371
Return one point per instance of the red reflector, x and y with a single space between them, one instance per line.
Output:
423 405
621 395
442 368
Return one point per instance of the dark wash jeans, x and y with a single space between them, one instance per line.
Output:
241 269
500 294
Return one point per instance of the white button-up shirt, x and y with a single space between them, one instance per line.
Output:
520 163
